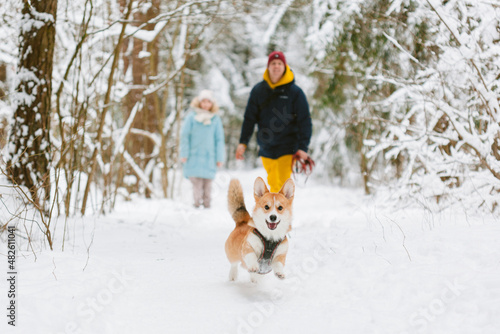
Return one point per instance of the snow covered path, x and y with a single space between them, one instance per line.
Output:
159 267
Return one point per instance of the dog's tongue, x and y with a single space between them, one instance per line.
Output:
272 226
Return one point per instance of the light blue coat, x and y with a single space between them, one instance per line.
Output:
202 145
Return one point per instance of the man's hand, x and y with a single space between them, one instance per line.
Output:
240 150
302 155
183 160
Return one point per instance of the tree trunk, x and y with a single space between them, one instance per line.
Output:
143 61
29 151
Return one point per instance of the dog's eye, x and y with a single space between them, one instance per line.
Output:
280 208
266 207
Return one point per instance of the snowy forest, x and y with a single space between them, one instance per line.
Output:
404 94
405 104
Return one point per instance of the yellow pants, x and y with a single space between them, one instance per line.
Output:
278 171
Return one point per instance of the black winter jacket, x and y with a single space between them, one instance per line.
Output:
282 117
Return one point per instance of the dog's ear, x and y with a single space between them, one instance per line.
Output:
288 189
259 188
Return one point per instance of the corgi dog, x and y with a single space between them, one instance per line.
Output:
259 242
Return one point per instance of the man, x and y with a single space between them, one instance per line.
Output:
280 109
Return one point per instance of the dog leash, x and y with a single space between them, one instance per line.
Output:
301 166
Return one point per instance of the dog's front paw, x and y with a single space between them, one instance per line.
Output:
253 269
280 275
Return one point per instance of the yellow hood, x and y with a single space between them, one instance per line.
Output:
286 78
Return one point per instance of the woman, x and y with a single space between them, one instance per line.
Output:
202 146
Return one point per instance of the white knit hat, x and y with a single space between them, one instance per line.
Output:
206 95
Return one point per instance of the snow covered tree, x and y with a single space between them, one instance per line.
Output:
148 94
355 64
3 89
449 133
29 142
141 60
412 88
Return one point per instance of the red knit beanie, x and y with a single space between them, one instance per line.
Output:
276 55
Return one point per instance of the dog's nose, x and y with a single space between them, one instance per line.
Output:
272 218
